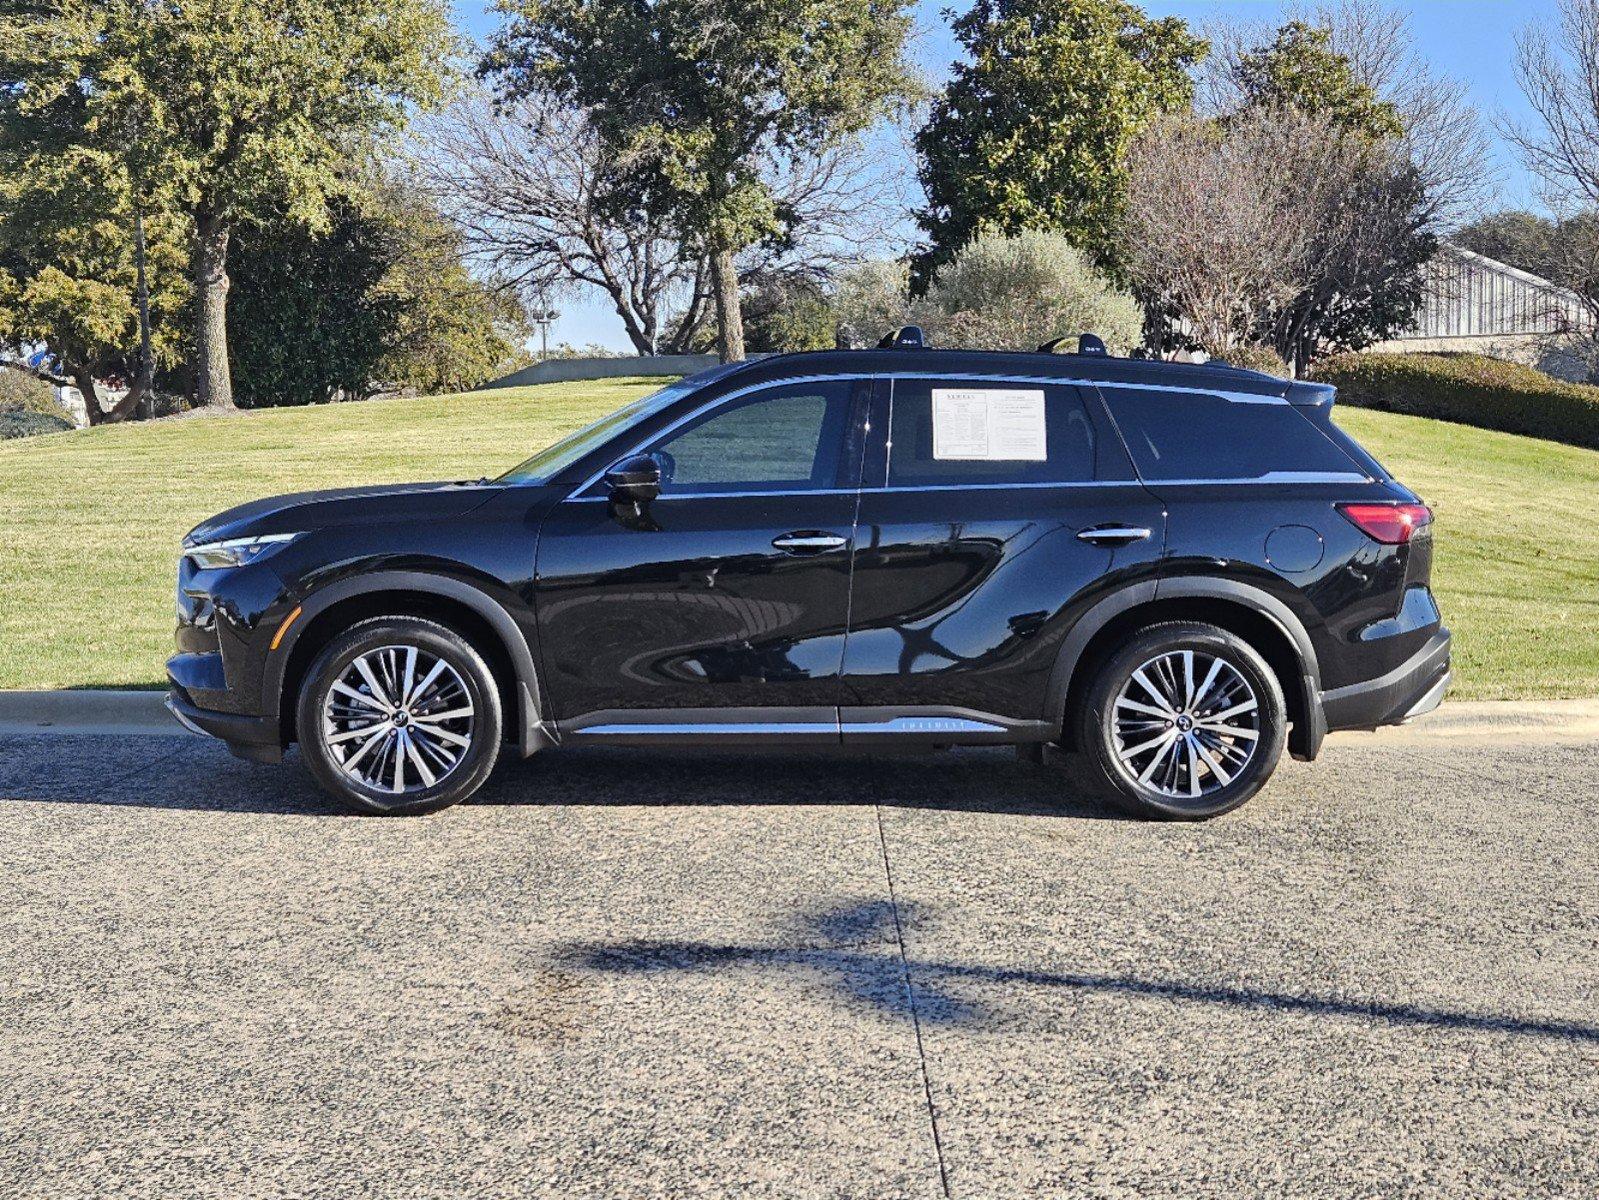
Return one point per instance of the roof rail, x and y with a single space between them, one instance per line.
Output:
907 337
1087 343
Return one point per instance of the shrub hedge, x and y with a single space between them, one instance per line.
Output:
1259 358
22 392
20 423
1469 389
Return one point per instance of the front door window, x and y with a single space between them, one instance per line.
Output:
786 438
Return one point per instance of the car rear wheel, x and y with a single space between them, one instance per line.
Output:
1185 721
398 715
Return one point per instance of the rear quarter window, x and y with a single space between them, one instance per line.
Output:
1203 437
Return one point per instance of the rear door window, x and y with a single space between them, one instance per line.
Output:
953 432
1200 437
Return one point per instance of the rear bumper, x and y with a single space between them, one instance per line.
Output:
1415 687
255 738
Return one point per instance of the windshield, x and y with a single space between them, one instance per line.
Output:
552 460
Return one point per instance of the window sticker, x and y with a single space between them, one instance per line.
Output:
989 424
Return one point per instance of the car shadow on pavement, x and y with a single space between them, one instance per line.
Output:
190 774
970 780
868 967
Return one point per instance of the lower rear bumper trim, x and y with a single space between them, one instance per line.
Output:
1412 689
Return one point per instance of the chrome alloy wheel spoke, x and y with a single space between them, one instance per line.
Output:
398 719
1186 723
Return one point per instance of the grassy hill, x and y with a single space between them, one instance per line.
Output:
90 522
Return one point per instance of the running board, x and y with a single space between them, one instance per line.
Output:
801 727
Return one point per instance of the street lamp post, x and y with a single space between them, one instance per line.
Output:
544 318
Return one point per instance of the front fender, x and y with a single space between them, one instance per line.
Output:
533 735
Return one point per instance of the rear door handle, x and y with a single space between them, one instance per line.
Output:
1113 535
809 541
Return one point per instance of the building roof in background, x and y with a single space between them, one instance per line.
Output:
1471 295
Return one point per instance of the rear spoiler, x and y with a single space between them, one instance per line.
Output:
1304 394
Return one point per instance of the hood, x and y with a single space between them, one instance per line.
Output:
299 512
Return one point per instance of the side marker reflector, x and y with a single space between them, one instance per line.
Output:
277 638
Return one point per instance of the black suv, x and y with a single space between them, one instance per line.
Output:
1169 571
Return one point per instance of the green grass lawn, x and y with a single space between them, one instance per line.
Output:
90 522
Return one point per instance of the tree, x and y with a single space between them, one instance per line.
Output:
1016 293
785 311
378 301
1521 239
870 298
71 261
232 111
1217 232
698 97
1363 58
1375 227
1326 137
1032 132
527 184
1557 66
1278 227
1300 70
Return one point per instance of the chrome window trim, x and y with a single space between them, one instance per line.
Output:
1269 479
1275 479
879 488
747 495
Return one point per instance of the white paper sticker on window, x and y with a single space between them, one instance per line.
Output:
989 424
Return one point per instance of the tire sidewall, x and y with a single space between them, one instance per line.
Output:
1099 737
435 639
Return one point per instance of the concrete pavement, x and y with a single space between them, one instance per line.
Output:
634 973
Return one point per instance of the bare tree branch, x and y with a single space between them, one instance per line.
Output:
1275 226
1444 135
529 183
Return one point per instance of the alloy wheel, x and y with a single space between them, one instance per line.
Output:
398 719
1186 724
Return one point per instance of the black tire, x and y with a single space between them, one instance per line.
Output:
1191 731
481 728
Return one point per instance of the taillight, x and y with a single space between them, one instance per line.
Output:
1390 524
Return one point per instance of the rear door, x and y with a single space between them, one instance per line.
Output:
730 591
995 511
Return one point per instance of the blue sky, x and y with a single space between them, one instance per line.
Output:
1471 40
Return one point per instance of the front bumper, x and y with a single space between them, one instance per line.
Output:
254 738
1410 690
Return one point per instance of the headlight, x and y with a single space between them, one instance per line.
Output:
235 552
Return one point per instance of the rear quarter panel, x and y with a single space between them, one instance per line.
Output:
1355 601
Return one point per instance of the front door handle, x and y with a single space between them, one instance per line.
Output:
1113 535
809 541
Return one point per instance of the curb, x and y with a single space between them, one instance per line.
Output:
86 712
1499 721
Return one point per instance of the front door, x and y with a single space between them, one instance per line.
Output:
722 603
994 513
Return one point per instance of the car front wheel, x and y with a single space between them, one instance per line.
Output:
399 715
1185 721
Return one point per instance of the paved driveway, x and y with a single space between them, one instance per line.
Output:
633 974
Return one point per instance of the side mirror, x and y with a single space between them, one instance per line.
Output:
636 480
